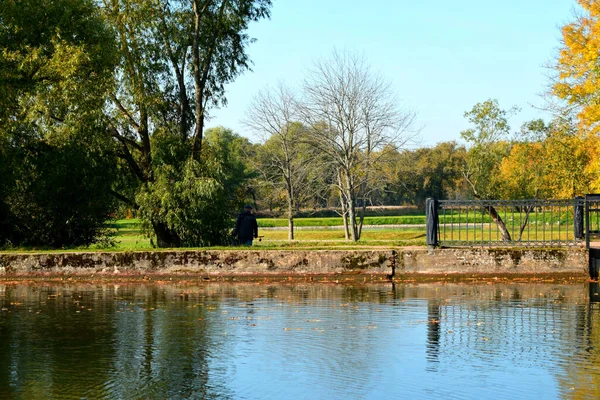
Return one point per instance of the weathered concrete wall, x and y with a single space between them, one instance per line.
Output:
211 263
416 260
493 261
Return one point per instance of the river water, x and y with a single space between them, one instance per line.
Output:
313 341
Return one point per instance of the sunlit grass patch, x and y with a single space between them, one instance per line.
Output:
337 221
336 237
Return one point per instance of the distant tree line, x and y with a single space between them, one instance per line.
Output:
104 106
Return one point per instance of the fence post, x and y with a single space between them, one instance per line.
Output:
431 222
578 218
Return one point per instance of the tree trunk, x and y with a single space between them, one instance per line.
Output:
492 213
352 216
289 187
499 222
345 218
363 210
528 210
351 199
290 220
344 208
164 236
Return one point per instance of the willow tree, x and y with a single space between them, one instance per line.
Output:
352 114
176 56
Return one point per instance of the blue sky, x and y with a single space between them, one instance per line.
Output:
441 56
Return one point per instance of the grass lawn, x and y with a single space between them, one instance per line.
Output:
330 237
332 221
129 237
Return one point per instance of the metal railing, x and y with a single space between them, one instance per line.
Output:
506 222
592 217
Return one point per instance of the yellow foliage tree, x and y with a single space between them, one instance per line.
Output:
574 158
570 165
578 72
521 173
554 161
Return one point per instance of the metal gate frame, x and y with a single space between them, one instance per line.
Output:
592 225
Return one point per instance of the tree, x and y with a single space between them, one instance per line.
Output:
285 161
551 160
196 201
577 74
57 58
62 195
352 114
413 175
523 172
488 147
571 159
175 59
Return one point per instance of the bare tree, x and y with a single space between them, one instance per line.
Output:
352 114
285 161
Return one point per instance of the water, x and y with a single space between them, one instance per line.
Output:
315 341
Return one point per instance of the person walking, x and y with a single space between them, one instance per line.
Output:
246 227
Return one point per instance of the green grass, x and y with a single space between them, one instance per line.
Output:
330 221
128 235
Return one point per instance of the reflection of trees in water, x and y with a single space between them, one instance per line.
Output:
336 329
162 344
51 345
581 376
169 342
134 343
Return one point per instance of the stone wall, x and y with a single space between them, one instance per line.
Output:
494 261
210 262
299 262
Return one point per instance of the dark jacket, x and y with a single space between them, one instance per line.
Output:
246 227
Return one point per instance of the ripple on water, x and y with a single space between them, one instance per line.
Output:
299 341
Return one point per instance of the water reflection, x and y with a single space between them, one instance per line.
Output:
247 341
